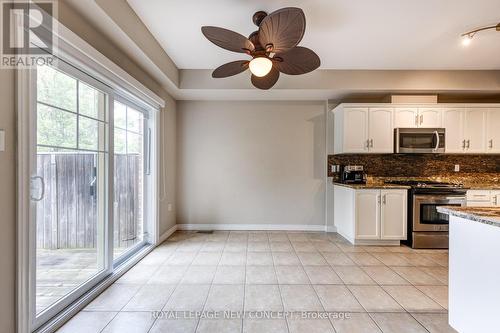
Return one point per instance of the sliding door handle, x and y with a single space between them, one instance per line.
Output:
42 183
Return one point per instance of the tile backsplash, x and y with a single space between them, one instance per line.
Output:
422 165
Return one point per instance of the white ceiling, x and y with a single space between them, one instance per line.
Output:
346 34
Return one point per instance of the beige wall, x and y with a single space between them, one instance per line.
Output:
251 162
8 158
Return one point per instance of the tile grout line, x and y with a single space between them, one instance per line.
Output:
343 250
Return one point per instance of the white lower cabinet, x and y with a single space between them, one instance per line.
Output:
483 198
495 198
370 216
367 214
392 212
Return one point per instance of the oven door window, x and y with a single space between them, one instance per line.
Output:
430 215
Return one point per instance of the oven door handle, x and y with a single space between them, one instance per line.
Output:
437 141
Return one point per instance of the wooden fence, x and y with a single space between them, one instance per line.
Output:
67 217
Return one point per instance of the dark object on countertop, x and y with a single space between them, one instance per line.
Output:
353 174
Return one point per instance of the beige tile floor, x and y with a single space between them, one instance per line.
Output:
321 282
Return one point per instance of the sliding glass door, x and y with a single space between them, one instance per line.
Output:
90 183
69 186
129 230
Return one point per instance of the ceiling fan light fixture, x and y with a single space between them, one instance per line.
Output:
273 47
260 66
467 39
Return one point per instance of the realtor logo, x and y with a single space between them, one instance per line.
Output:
27 33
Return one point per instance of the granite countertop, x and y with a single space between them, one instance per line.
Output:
374 186
484 187
487 215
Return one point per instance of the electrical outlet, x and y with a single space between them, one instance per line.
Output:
169 207
457 167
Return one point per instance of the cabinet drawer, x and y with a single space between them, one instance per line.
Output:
478 196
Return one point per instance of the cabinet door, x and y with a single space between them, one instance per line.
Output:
355 130
495 198
474 131
393 220
405 117
380 131
430 118
367 214
493 131
453 122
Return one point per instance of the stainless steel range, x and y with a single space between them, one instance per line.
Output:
427 228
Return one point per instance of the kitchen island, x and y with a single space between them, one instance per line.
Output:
474 268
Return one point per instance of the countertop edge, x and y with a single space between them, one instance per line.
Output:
373 186
471 214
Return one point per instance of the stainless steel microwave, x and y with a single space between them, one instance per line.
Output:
419 140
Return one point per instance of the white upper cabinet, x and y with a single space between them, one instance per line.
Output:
380 134
355 130
453 120
474 131
405 117
363 130
493 131
418 117
430 118
470 129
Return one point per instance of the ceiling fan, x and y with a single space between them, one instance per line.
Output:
273 47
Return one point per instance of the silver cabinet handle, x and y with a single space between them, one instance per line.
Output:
371 143
367 143
421 119
378 199
416 120
384 200
468 144
463 144
42 195
490 144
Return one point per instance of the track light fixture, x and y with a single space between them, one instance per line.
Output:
467 37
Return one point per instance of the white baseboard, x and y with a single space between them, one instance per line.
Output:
375 242
242 227
167 234
331 228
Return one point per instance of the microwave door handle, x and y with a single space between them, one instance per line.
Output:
437 140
